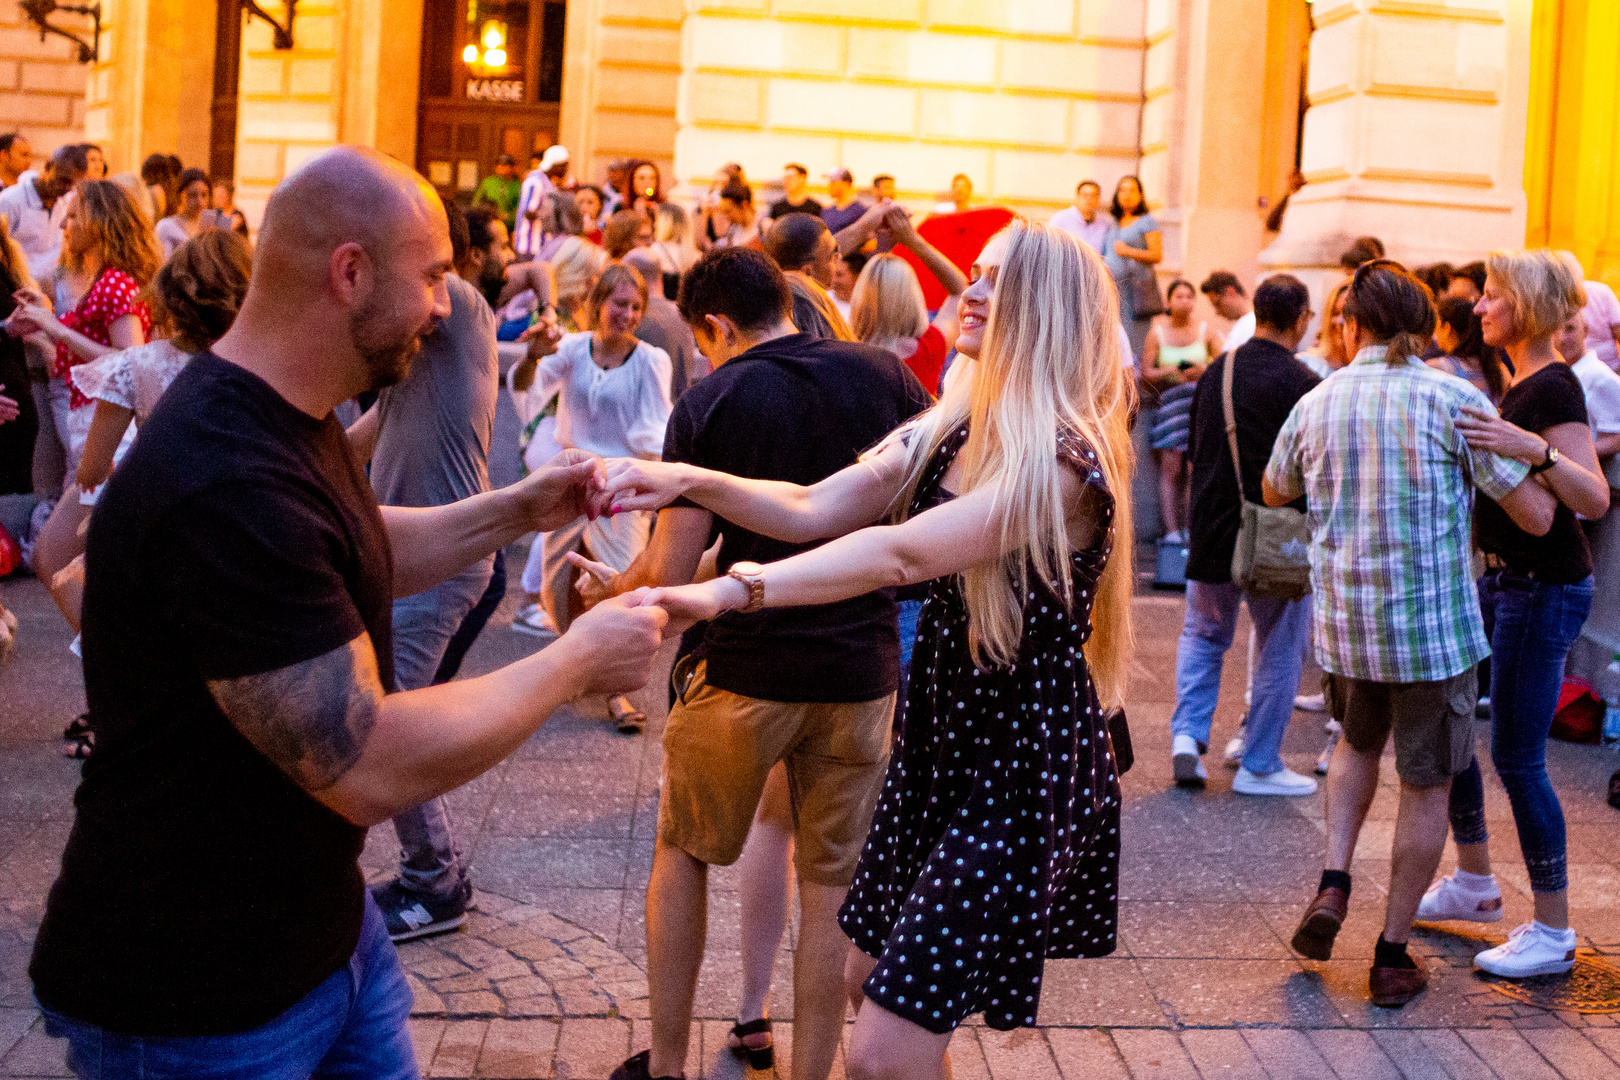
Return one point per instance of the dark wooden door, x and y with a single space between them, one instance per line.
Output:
491 85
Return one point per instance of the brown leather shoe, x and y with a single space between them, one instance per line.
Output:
1314 938
1393 987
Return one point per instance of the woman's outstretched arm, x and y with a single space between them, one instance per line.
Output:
945 540
846 500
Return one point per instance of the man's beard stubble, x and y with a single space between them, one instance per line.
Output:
385 348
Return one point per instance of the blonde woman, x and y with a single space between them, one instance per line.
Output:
1535 596
614 400
1001 498
576 266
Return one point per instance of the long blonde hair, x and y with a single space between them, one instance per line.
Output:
1050 362
887 305
803 285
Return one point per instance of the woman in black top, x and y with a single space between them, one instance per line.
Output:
1536 595
19 421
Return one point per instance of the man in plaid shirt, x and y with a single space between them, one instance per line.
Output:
1388 479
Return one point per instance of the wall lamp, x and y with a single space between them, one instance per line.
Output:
282 35
38 11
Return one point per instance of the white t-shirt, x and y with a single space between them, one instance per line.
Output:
1241 331
1602 313
1602 387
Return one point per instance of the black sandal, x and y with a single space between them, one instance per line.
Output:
628 720
1614 790
77 738
758 1057
635 1068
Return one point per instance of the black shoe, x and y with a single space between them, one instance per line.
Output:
635 1068
411 914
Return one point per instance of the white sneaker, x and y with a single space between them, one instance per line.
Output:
1236 747
1310 702
1185 762
1175 536
1448 900
1532 949
1284 781
1334 733
533 619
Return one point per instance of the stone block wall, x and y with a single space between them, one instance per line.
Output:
42 84
1026 97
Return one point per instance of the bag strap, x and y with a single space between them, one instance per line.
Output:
1231 419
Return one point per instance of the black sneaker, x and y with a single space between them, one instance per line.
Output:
411 914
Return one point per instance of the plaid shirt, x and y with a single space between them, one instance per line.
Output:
1388 480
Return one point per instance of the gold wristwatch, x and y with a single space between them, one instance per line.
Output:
749 574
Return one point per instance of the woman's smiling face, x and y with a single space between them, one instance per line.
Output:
978 298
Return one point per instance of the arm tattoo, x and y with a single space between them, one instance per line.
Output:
311 719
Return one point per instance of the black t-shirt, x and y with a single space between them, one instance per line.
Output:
1265 385
796 409
781 208
202 891
1550 397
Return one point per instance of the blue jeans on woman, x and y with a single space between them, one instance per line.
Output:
353 1026
1531 626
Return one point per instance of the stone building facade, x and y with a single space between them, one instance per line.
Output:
1447 127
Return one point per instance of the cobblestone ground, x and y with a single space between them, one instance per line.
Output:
548 979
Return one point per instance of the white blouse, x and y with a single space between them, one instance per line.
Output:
619 412
134 378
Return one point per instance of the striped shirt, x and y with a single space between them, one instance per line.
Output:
1388 480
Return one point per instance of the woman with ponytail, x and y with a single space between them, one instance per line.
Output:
996 836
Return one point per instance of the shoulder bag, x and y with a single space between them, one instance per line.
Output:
1272 556
1146 300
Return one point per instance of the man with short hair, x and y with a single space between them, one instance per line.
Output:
27 206
883 187
1085 221
1266 383
662 327
960 199
1226 296
1389 481
812 687
501 189
736 212
796 197
210 916
805 250
1599 383
550 175
15 157
846 208
427 440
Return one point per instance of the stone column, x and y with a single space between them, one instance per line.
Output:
1415 133
152 89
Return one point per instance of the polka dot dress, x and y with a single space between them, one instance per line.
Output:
112 296
996 839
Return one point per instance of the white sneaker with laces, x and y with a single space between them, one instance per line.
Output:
1186 764
1236 747
1532 949
1449 900
1310 702
1284 781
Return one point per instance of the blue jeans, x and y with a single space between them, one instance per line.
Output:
1281 629
424 625
1531 627
352 1025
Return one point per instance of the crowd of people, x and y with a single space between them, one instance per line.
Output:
894 537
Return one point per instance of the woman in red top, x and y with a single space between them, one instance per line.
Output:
887 309
108 256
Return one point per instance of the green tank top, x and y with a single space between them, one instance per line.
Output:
1173 355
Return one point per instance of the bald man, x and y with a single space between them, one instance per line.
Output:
210 917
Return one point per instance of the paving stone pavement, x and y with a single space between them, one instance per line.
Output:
548 978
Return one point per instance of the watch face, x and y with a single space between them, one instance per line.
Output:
746 568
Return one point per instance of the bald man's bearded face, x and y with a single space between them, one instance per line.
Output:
386 339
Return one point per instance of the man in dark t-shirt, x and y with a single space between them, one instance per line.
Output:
210 915
812 687
1266 382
